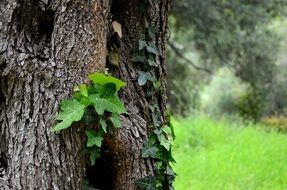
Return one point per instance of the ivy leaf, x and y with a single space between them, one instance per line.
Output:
100 78
89 116
143 7
93 156
72 111
143 77
112 104
151 48
166 130
104 125
138 57
156 84
108 90
169 171
164 142
115 119
93 138
152 30
142 41
151 61
142 44
150 151
84 90
147 183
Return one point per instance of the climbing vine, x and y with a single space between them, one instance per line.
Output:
97 106
158 144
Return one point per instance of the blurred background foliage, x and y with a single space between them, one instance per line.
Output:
228 57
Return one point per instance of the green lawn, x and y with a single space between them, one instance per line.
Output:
226 155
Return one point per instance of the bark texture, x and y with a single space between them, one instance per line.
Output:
127 144
48 46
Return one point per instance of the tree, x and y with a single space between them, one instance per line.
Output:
236 34
47 47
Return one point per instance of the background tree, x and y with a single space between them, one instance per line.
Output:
47 47
234 34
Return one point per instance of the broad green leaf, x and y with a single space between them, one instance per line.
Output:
115 119
93 138
112 104
108 90
72 111
84 90
150 151
147 183
151 48
85 101
163 154
100 78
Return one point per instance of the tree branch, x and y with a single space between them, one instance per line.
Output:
180 55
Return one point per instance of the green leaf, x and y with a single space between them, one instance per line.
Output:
90 117
150 151
72 111
151 48
147 183
94 155
152 30
152 139
142 41
115 119
112 104
142 44
156 84
166 130
164 142
108 90
93 138
151 61
84 90
143 77
104 125
139 57
100 78
143 7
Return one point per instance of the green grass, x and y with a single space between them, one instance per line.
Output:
226 155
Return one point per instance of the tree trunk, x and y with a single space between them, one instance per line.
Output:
47 47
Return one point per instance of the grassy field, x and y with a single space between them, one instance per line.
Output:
227 155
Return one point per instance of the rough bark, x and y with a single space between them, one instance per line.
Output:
48 46
128 142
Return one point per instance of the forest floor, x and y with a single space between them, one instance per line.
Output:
227 154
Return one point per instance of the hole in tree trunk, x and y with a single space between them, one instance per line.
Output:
2 97
3 165
46 24
100 175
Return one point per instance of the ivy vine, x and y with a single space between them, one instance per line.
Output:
159 142
97 106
